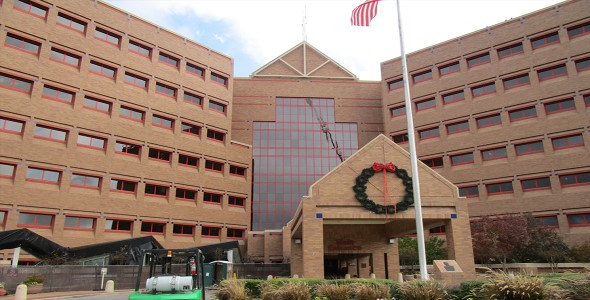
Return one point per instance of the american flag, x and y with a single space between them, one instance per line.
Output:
364 13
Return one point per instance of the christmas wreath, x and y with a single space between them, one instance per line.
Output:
360 189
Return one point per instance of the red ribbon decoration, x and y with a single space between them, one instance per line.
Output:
388 167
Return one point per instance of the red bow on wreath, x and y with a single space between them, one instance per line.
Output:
389 167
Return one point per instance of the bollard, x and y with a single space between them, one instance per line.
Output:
295 276
269 277
373 276
400 278
110 287
21 292
347 276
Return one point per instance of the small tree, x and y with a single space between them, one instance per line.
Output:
581 253
499 238
408 250
544 245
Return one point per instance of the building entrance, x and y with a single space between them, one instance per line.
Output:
356 265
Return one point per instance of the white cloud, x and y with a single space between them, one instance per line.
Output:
264 29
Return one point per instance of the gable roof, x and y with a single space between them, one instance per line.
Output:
304 61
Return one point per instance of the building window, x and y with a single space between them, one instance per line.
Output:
575 179
478 60
575 220
190 129
458 127
14 83
234 233
462 159
517 81
32 8
106 36
583 64
194 70
425 104
82 223
213 166
87 181
20 43
542 183
156 190
423 76
140 49
488 121
428 133
215 135
237 170
71 23
546 40
570 141
127 148
219 79
208 231
98 105
548 221
118 225
499 188
510 50
7 171
395 84
162 122
152 227
440 230
522 113
3 218
91 141
193 99
102 69
168 59
485 89
57 94
158 154
529 148
586 101
496 153
400 138
236 201
560 106
185 194
136 80
218 107
552 72
212 197
578 31
35 220
433 163
165 90
469 191
453 97
121 185
188 161
50 133
65 57
450 68
131 114
179 229
397 111
11 125
43 175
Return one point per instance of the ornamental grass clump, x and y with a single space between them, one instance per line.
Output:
579 289
333 291
268 291
423 290
294 291
508 286
368 291
233 290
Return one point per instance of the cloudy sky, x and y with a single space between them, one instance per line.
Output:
254 32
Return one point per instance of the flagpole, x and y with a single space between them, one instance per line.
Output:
413 156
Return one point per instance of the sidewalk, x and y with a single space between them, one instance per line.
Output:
64 295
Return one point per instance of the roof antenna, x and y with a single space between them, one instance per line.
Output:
304 24
325 129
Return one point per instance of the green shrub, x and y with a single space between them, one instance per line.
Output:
332 291
232 290
502 285
369 291
424 290
252 286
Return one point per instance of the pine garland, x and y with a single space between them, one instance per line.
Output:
360 194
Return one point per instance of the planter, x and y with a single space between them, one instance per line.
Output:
2 292
35 289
